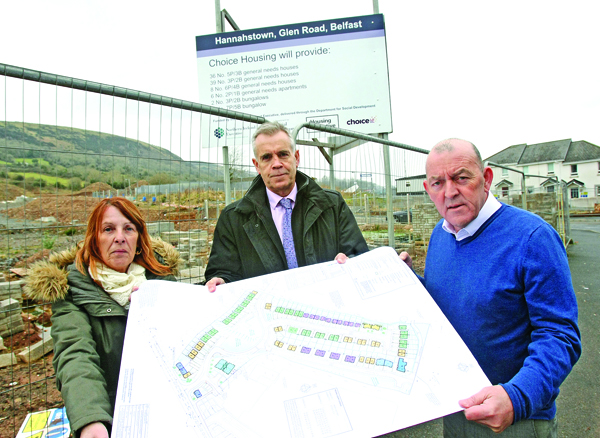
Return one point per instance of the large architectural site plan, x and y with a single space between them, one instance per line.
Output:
347 350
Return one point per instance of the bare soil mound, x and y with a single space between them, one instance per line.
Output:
95 187
9 192
65 208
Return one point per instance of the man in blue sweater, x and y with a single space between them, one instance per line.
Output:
501 276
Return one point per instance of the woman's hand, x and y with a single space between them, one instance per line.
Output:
132 291
94 430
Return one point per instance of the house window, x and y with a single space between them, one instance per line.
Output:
597 190
573 169
504 192
525 169
599 167
504 172
550 189
574 192
550 168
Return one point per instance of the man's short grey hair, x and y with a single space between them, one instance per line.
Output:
269 129
447 146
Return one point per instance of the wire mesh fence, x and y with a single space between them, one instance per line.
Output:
548 197
67 143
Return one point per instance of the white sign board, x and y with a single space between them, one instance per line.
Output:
331 72
352 350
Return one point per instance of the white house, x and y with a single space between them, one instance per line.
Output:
577 163
410 185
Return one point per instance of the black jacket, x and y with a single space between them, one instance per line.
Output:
246 243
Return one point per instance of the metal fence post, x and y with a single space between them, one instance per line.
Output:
226 175
388 194
524 191
331 176
408 208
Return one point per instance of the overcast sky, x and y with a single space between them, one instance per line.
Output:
495 73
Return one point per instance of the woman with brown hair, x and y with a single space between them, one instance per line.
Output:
90 288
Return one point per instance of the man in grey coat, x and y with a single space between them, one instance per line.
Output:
248 239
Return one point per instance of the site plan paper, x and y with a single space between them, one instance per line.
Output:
347 350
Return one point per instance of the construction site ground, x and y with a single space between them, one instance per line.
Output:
31 387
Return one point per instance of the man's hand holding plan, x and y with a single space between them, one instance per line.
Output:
354 350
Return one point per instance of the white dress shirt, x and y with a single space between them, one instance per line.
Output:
489 208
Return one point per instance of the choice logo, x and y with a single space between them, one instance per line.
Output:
361 121
219 132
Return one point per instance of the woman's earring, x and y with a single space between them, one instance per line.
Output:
139 251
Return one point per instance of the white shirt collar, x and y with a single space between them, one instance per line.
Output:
489 208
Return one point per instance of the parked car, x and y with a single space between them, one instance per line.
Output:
402 216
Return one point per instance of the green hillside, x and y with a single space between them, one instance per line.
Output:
64 152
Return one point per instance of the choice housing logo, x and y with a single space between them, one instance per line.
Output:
361 121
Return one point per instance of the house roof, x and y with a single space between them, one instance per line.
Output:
510 155
559 150
504 182
575 182
410 178
549 181
549 151
582 151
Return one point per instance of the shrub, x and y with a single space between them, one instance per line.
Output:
48 241
75 183
34 183
161 178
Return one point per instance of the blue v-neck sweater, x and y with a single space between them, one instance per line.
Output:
507 291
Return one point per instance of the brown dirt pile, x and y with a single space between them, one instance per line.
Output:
95 187
9 192
65 208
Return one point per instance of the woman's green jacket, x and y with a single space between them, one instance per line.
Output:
88 330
